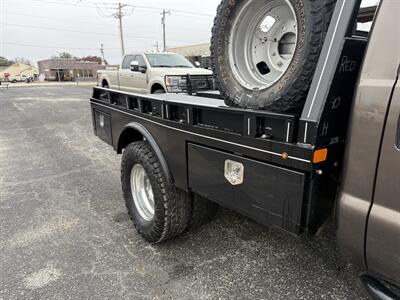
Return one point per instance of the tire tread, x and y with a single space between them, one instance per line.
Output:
176 203
320 14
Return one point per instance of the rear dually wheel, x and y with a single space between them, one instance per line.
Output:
158 209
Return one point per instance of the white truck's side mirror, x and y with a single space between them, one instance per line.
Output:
197 64
135 66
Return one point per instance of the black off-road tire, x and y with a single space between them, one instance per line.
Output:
289 92
159 92
203 210
105 84
172 206
104 95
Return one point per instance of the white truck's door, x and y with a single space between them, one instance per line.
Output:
126 75
140 77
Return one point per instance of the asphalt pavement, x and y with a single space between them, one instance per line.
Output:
65 233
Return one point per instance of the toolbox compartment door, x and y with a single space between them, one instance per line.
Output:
270 195
102 126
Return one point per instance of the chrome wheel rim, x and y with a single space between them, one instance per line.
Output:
263 42
142 192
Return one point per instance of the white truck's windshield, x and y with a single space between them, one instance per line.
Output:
161 60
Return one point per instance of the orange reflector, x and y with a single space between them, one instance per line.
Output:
320 155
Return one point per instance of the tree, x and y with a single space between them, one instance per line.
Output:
93 58
63 55
4 62
23 60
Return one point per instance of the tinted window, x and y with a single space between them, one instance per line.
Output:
140 60
162 60
126 63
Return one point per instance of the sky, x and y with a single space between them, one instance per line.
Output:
39 29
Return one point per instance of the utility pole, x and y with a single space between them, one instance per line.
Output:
157 46
118 13
102 53
119 16
163 19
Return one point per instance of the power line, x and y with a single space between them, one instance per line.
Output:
193 13
119 14
193 17
52 2
66 47
58 19
86 32
75 31
174 11
107 10
107 4
74 21
46 46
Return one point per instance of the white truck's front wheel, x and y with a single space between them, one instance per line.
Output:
264 52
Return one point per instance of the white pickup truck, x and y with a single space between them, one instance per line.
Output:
18 78
156 73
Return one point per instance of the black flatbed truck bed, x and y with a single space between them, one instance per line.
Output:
284 185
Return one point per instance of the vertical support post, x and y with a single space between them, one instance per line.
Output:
163 21
102 54
341 26
119 15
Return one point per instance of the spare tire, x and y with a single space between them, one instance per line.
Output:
264 52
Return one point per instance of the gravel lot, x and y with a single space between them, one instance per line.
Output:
65 233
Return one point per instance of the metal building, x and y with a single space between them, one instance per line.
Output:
198 52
